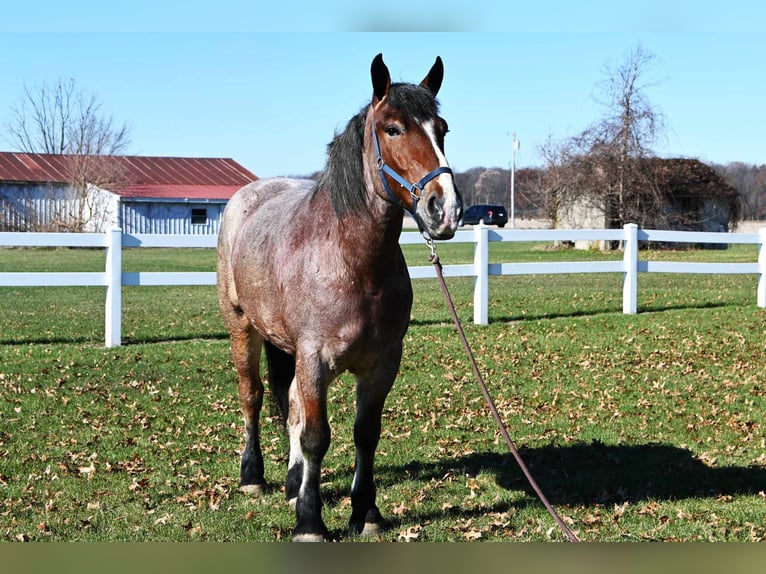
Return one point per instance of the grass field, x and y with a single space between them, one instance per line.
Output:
644 427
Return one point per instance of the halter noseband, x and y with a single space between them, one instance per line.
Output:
414 188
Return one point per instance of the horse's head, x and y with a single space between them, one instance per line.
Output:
407 135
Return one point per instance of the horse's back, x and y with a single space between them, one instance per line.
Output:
252 198
259 205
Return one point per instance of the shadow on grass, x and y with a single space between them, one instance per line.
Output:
580 474
587 474
126 341
573 314
48 340
642 309
143 340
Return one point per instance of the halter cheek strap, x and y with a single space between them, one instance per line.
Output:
414 189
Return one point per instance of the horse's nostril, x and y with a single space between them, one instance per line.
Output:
433 204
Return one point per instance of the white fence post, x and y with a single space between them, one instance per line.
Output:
481 269
762 268
630 281
113 307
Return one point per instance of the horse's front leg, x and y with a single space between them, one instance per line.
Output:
246 353
309 440
372 390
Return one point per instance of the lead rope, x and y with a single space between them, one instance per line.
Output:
434 259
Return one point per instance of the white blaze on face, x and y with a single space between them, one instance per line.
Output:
444 179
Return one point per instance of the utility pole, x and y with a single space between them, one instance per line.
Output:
513 180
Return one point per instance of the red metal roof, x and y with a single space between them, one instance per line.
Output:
144 176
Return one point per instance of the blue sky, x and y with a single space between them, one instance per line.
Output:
230 80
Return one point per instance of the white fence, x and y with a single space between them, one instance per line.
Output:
113 278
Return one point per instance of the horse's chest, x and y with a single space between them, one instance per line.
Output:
358 328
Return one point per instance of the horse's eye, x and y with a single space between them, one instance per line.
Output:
393 131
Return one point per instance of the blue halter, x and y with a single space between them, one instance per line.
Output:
414 188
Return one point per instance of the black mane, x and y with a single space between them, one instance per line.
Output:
343 177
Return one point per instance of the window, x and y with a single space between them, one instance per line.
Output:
199 216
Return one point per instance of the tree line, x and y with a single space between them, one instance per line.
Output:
534 189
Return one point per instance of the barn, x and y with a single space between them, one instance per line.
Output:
692 197
140 194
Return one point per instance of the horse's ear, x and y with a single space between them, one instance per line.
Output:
433 81
381 79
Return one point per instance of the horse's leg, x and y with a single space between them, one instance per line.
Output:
371 392
281 367
246 352
295 461
309 440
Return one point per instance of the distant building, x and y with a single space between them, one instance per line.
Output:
46 192
694 198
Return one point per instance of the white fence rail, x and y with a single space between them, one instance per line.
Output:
114 241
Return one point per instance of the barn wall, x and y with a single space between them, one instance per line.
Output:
50 207
169 217
54 207
580 214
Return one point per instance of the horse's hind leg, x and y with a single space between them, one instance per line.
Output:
371 392
246 352
281 369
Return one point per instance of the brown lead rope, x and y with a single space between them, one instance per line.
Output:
434 258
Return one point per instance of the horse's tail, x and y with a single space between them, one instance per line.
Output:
281 368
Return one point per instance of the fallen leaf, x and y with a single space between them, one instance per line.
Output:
472 534
399 510
89 470
410 534
619 510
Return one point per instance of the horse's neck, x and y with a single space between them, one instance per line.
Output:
368 234
378 235
382 220
371 237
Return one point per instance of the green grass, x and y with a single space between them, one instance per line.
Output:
643 427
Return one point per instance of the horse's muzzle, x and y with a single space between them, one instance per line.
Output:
439 215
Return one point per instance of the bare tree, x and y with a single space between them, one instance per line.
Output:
62 119
602 166
750 181
491 186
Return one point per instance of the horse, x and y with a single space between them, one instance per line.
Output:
312 272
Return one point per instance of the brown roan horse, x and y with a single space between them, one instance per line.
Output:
312 272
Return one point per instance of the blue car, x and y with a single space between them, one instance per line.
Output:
486 214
